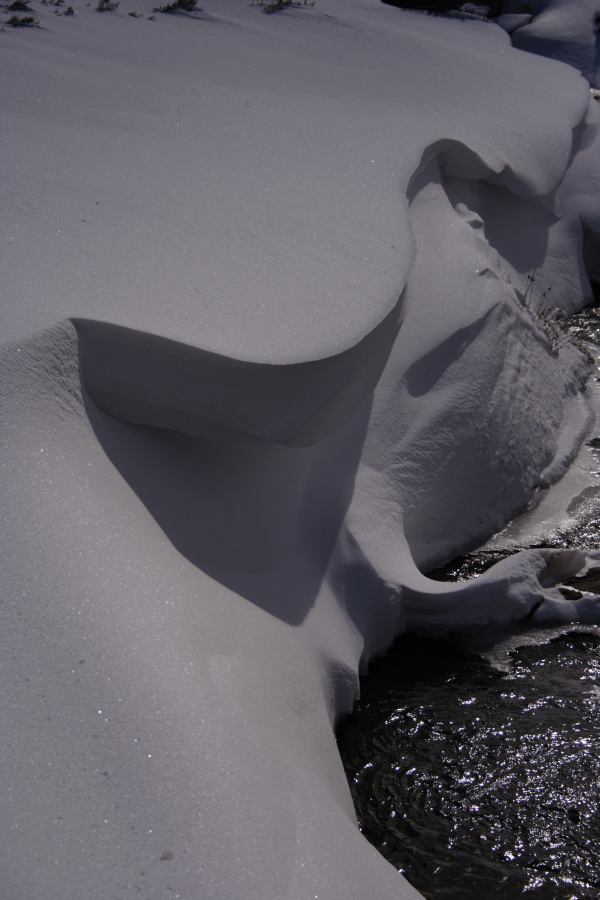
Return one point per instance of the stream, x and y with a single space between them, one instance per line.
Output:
475 767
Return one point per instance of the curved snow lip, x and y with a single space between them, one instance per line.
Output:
146 379
157 381
520 592
457 160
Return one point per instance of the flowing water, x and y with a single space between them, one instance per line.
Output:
477 783
476 771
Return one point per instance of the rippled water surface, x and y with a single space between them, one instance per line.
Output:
476 783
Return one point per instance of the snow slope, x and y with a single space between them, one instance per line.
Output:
268 351
567 31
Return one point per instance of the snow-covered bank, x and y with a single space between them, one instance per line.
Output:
564 30
268 349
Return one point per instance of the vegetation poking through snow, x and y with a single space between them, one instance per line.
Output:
273 6
187 6
550 319
536 305
106 5
23 22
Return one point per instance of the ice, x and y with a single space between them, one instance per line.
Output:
271 348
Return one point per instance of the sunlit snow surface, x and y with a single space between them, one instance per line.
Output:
269 347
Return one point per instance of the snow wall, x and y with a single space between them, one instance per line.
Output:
275 340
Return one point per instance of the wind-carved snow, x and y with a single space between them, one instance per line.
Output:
285 364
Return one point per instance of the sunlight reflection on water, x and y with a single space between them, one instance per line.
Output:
477 783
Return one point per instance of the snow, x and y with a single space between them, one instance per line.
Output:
567 31
268 353
511 21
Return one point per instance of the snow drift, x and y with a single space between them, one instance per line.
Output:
564 31
269 352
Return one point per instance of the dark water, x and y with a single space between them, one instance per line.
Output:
476 783
480 783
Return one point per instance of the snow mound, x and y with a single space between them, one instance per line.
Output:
509 22
272 346
566 30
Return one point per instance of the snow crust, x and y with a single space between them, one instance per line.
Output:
270 350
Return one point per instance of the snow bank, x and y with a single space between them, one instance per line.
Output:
269 351
566 30
509 22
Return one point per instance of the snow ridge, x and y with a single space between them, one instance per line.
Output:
230 454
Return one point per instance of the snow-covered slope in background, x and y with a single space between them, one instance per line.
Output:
268 349
564 29
568 31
